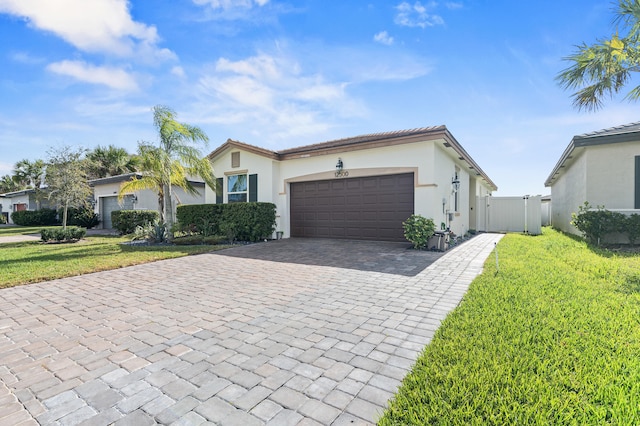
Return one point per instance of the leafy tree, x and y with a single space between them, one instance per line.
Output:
172 161
110 161
605 67
8 183
66 179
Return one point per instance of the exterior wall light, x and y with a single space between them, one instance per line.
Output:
339 169
455 183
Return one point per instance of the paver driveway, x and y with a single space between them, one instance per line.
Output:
238 337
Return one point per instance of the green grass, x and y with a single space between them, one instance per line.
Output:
6 231
553 338
29 262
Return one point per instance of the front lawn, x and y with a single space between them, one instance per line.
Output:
10 230
29 262
553 338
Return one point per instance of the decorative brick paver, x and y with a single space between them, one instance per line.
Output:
300 332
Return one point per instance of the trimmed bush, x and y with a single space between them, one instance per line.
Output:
126 221
596 224
249 221
70 234
633 228
238 221
418 229
201 219
81 216
42 217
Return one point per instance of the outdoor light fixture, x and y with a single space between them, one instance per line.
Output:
455 183
339 169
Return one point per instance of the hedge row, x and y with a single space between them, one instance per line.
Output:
126 221
42 217
598 224
69 234
252 221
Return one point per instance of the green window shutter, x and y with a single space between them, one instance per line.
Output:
219 190
637 201
253 187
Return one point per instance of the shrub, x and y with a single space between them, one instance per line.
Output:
152 232
250 221
81 216
70 234
199 218
418 229
238 221
633 228
3 219
42 217
595 224
126 221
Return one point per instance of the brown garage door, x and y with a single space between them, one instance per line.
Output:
366 208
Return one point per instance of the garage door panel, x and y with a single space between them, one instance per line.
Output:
371 207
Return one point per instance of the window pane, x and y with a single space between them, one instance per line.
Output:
237 198
237 183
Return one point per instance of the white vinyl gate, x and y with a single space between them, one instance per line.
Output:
509 214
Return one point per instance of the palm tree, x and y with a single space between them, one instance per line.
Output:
8 184
29 173
605 67
110 161
171 162
151 176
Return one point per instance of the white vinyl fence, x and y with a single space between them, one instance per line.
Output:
509 214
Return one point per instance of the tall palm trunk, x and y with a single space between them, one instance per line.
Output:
168 210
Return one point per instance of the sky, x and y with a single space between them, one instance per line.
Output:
284 73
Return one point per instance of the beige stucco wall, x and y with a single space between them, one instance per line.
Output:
603 175
569 192
146 199
611 174
433 167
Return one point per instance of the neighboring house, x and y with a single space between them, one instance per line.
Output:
105 191
19 200
358 188
603 168
545 210
5 208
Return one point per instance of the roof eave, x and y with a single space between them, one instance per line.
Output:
467 158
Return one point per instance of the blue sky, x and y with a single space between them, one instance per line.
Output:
279 74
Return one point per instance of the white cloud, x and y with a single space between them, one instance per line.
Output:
384 38
273 92
5 168
26 58
178 71
417 15
112 77
231 4
103 26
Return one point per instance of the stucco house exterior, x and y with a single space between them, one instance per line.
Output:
361 187
105 192
601 167
19 200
